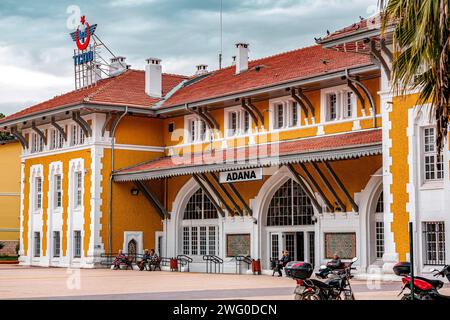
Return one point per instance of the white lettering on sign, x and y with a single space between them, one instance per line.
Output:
241 175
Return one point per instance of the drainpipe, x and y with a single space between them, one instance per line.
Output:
113 140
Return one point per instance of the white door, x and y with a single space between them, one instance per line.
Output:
276 245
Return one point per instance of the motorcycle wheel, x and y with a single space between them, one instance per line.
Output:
307 296
349 297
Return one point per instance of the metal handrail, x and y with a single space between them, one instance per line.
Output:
210 260
242 259
184 260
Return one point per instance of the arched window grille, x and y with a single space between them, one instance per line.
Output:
200 230
290 206
379 227
200 207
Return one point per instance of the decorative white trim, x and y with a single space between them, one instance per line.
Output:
340 92
136 236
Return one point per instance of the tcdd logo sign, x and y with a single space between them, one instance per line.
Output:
82 38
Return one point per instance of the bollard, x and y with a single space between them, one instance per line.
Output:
173 264
256 266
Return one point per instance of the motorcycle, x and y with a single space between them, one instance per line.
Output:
424 288
326 270
336 287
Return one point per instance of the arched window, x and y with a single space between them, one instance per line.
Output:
290 206
200 226
379 228
200 207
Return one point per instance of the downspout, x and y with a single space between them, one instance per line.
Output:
113 140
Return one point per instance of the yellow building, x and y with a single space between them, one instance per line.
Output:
306 151
10 152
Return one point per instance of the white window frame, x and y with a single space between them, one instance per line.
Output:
193 130
430 153
56 244
57 191
341 93
240 129
56 140
75 244
37 143
287 105
77 136
436 245
78 189
37 244
38 193
188 243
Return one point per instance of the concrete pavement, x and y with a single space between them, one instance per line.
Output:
17 282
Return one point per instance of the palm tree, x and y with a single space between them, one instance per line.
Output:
422 37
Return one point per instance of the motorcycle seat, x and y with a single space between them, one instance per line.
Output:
435 283
320 284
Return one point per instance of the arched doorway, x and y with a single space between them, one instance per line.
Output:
289 223
200 227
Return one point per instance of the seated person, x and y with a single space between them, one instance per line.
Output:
333 264
120 258
145 258
153 257
285 259
153 254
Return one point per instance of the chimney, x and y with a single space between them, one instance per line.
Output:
97 72
242 57
153 78
201 69
117 66
233 60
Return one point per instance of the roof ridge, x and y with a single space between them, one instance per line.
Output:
164 73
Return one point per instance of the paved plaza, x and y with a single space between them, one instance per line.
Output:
18 282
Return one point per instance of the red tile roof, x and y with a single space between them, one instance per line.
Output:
125 89
250 153
362 25
298 64
128 88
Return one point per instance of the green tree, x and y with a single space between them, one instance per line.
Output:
4 135
422 37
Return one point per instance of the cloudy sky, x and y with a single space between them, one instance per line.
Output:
36 49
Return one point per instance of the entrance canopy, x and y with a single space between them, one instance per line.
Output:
327 148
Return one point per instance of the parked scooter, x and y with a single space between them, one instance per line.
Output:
335 287
424 289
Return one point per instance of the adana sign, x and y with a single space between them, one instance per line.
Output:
241 175
82 38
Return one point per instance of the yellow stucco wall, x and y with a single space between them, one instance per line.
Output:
172 140
10 168
45 161
130 213
400 171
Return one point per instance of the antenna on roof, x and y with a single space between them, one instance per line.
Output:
221 34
